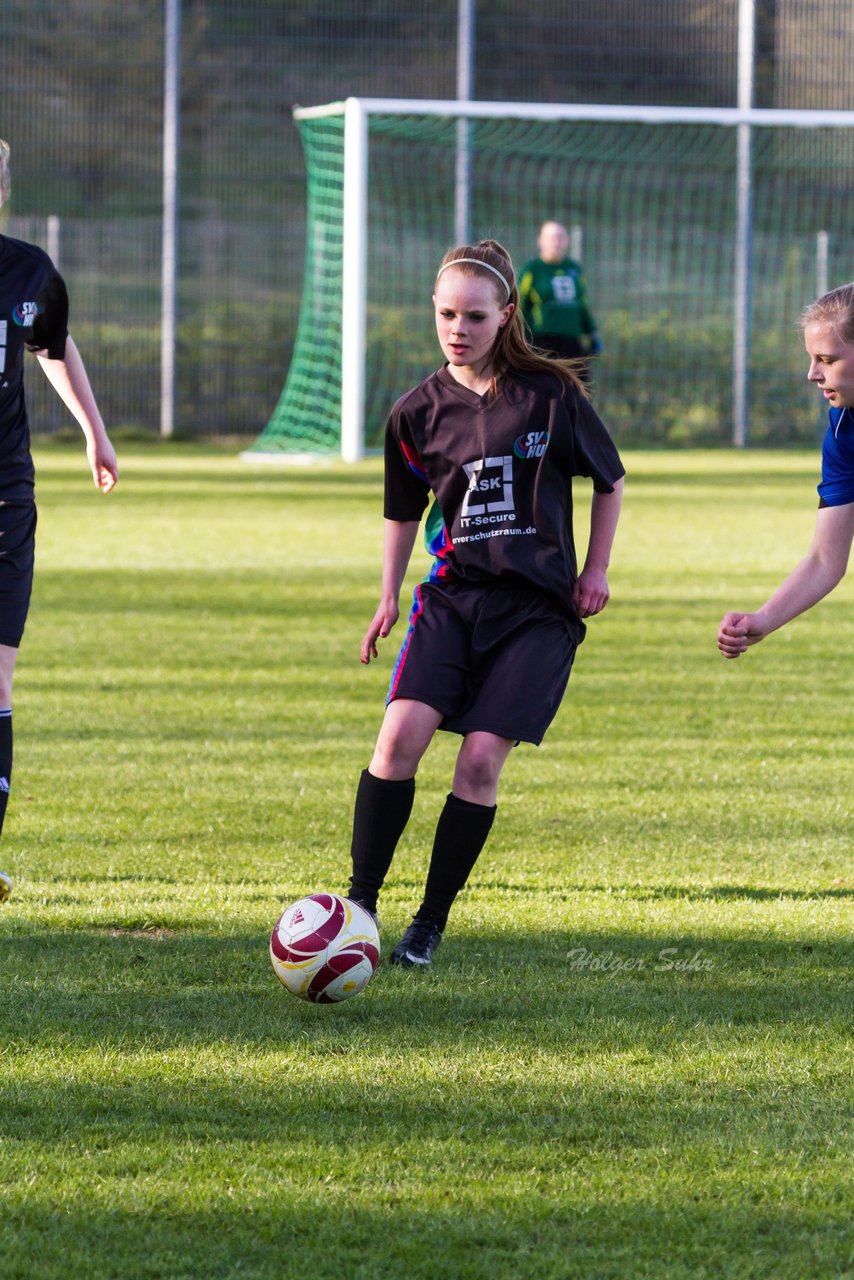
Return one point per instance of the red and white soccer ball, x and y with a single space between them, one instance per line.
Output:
325 948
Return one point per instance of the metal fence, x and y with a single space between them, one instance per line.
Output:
82 105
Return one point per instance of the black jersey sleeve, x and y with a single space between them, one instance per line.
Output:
595 452
50 328
407 489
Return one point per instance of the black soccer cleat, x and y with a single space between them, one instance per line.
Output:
418 945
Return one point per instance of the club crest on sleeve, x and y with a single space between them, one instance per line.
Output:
25 314
532 444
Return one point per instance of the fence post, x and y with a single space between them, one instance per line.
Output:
53 241
744 228
465 80
171 139
822 256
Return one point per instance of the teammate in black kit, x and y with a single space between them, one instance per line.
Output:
33 317
496 435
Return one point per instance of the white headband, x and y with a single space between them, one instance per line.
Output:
476 262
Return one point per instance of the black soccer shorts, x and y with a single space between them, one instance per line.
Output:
491 659
17 556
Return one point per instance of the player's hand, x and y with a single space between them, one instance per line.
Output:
591 592
737 632
102 461
381 624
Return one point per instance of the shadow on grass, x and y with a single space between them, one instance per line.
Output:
318 1231
159 989
760 479
231 594
664 892
198 483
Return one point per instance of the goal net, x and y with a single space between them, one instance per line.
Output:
704 233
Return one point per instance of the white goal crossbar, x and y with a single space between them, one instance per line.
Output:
584 111
356 113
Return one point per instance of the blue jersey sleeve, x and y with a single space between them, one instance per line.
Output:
837 461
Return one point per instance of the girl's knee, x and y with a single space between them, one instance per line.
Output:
396 755
404 737
479 764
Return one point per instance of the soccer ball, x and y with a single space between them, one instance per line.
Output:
5 886
325 948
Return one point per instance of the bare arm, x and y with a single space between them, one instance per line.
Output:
69 380
818 573
398 541
591 591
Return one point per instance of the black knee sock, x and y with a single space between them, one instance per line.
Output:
5 759
382 811
460 835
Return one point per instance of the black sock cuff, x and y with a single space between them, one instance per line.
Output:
401 786
469 806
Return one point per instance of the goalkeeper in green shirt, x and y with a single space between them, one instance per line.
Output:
553 299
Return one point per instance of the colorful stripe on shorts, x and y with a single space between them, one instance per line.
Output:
414 614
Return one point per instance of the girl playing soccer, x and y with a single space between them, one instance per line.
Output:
33 317
828 328
496 435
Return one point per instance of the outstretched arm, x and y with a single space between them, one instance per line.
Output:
591 591
69 380
817 574
398 541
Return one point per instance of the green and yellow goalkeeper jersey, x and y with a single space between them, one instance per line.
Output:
554 298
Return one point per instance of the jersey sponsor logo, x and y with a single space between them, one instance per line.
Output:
531 444
494 533
25 314
490 490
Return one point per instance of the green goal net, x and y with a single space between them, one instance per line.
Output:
656 207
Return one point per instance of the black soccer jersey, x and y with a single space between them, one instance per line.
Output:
501 470
33 315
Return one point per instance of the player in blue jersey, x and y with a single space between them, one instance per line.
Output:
828 328
33 317
495 437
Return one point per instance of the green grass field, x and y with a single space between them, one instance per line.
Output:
632 1057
